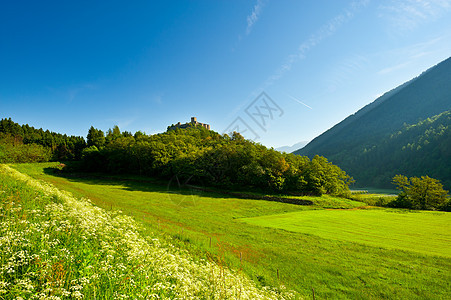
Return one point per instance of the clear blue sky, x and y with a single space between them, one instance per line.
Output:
143 65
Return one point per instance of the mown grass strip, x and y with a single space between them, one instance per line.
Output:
423 232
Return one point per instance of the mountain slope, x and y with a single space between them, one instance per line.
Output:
420 149
345 144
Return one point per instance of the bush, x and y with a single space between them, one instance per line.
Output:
402 201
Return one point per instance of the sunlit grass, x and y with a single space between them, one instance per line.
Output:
424 232
208 225
55 246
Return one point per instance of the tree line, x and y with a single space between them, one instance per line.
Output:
193 155
200 156
24 143
196 155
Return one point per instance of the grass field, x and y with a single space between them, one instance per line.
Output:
210 225
424 232
55 246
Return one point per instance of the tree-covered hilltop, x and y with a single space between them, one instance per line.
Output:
193 155
24 143
200 156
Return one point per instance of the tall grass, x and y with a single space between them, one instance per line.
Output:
55 246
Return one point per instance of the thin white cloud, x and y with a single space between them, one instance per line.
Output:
325 31
158 98
411 54
299 101
390 69
253 17
73 92
344 71
122 123
406 15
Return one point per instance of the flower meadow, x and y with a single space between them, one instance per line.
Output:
55 246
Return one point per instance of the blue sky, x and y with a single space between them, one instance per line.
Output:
143 65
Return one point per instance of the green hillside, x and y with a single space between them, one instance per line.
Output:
369 144
415 150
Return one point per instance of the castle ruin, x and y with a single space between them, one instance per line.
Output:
189 124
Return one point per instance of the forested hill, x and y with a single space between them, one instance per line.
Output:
420 149
204 157
193 155
347 143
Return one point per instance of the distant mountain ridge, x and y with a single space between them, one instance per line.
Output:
289 149
344 144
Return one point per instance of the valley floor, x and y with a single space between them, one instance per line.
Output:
340 254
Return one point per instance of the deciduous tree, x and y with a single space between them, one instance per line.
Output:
420 193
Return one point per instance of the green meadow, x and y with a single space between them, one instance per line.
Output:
332 253
423 232
57 246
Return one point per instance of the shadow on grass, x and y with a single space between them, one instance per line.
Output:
171 186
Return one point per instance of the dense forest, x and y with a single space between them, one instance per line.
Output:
200 156
376 143
419 149
23 143
194 155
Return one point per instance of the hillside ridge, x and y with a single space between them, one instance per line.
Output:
384 99
424 96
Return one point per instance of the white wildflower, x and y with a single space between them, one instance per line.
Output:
123 255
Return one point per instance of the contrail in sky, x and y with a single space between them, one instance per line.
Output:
299 101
